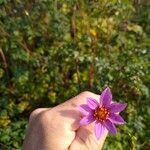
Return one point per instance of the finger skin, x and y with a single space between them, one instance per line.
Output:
85 139
58 128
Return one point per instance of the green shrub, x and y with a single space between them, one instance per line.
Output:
56 49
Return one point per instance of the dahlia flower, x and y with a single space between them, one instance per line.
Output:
104 113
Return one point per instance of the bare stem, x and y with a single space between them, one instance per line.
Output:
3 58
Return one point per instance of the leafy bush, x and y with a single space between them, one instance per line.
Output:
56 49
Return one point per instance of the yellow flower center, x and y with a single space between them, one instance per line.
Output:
101 113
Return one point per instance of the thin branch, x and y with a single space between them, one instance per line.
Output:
73 23
78 73
3 58
22 44
4 63
25 47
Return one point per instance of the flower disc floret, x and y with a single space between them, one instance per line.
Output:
101 113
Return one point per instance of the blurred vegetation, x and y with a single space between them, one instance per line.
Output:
52 50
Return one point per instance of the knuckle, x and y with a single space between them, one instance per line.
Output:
86 93
34 113
40 118
44 117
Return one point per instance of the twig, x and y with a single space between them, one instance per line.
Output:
25 47
22 44
91 74
4 59
78 73
73 23
4 63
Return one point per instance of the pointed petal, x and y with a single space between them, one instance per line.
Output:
106 97
99 130
110 127
92 103
116 119
87 120
84 109
117 107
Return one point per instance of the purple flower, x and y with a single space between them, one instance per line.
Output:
104 113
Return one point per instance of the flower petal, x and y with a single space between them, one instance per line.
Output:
92 103
116 119
99 130
106 97
117 107
84 109
87 119
110 127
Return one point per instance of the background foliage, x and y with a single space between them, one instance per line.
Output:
51 50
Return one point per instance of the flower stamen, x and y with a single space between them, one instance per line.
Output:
101 113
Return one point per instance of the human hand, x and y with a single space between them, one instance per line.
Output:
58 128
